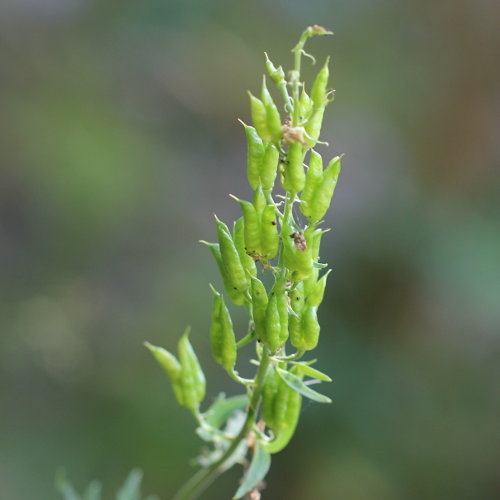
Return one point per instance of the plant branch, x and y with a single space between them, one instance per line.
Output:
204 477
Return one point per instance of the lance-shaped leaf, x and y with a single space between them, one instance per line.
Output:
261 461
295 383
307 370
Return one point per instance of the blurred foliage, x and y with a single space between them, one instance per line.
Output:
119 139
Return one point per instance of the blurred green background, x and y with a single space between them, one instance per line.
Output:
119 140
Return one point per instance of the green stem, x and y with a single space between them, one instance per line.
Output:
246 339
204 477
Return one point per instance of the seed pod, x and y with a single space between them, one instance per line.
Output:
259 200
315 297
222 333
259 302
269 392
295 176
272 324
269 236
252 227
237 296
286 407
192 379
269 167
313 179
239 242
282 410
273 119
276 320
259 118
297 254
313 126
294 322
231 259
171 366
313 237
255 155
310 329
305 104
324 192
277 74
310 282
318 91
282 302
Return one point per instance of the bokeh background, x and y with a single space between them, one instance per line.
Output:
118 141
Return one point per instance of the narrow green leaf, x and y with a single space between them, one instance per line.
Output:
131 489
295 383
311 372
65 488
93 491
261 461
223 408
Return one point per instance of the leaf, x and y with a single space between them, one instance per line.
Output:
295 383
223 408
66 488
261 461
131 489
311 372
93 491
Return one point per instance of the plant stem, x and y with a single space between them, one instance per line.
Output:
204 477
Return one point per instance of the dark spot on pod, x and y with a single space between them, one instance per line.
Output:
273 222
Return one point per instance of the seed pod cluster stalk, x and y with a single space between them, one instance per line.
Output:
270 264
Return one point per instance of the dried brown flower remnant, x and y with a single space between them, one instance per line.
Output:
299 241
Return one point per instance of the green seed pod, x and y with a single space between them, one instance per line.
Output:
231 259
239 242
269 232
318 91
294 322
294 172
282 405
272 324
313 180
313 126
324 192
269 393
269 167
259 302
277 75
313 237
310 329
310 282
297 255
171 366
273 119
237 296
259 200
255 155
315 297
276 320
282 302
192 379
222 333
305 104
286 407
252 227
259 118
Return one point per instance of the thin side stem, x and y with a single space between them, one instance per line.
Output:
204 477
